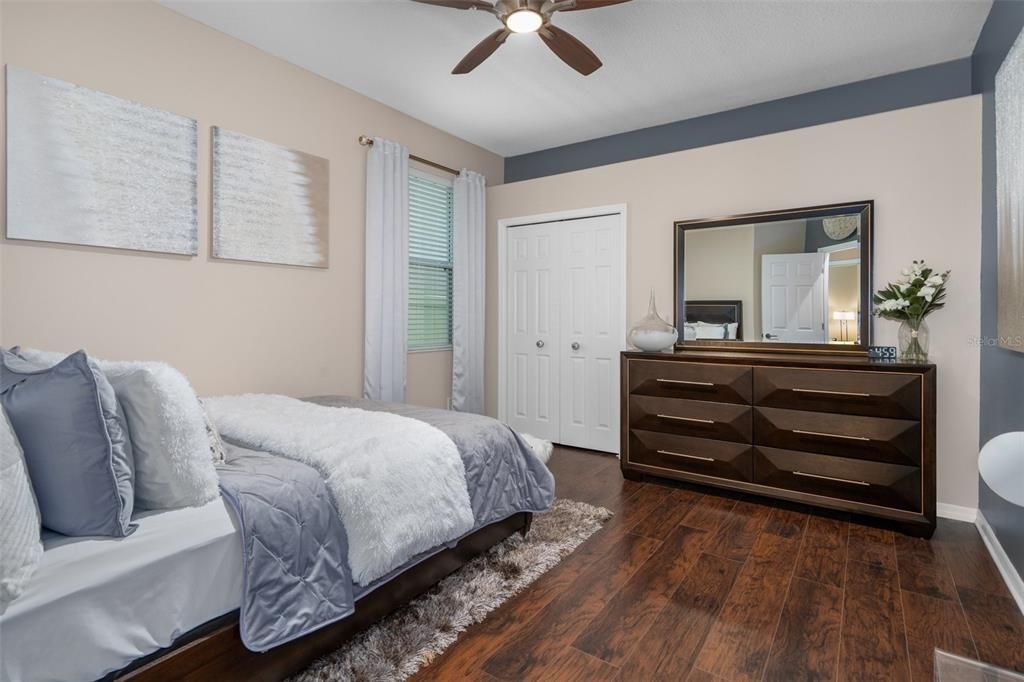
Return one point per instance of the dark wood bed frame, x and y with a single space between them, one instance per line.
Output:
214 651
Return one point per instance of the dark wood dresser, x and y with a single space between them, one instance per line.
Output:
844 433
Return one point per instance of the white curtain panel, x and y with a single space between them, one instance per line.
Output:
468 290
387 271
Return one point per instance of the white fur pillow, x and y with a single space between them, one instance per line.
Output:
173 467
20 548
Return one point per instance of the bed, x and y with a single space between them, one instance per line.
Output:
169 600
718 320
109 602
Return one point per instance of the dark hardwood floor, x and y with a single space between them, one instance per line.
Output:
686 584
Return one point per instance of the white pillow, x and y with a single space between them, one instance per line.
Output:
20 548
731 329
173 467
706 330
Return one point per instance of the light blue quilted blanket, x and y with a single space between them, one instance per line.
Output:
297 577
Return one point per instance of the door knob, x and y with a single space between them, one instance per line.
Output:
540 344
575 345
771 336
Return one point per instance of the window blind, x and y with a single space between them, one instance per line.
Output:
430 263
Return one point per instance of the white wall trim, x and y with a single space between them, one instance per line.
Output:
956 512
503 226
1006 569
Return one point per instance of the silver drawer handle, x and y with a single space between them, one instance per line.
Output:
830 435
679 454
831 478
849 394
686 419
688 383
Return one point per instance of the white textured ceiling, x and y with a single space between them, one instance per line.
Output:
664 60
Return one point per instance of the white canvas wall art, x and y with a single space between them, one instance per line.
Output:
88 168
270 203
1010 197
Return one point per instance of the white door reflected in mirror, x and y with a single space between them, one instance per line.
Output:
794 303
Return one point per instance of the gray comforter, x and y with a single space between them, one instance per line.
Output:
293 544
297 577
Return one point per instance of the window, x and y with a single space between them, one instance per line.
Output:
430 261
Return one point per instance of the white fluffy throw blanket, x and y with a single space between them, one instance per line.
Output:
400 484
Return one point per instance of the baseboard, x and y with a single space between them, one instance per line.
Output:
1010 575
956 512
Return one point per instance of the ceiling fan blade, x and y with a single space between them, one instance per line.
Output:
460 4
484 49
570 50
592 4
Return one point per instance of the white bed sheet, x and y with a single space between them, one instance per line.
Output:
95 605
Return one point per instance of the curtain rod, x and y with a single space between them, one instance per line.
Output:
368 142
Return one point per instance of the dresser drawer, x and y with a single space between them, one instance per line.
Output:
875 483
692 381
720 421
692 455
884 440
870 394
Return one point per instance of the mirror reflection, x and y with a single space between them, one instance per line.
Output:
784 281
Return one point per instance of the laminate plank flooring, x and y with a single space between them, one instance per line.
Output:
873 635
686 583
806 645
625 619
823 554
740 639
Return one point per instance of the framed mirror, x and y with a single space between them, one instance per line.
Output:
792 280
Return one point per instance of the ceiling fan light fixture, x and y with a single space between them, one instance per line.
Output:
524 21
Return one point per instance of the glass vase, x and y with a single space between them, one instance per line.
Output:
914 340
652 333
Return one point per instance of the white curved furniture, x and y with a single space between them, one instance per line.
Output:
1001 465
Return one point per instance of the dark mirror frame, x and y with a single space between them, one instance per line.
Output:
867 213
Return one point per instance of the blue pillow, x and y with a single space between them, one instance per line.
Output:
76 447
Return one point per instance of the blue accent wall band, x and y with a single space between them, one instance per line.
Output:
885 93
1002 370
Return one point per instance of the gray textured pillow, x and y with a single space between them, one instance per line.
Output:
76 448
20 548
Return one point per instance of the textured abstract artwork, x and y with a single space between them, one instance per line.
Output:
1010 197
270 204
85 167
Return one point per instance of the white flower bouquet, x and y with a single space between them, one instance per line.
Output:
919 293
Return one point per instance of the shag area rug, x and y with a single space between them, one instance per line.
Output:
400 644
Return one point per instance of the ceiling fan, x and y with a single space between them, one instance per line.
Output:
529 16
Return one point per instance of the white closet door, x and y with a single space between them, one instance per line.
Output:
532 274
591 331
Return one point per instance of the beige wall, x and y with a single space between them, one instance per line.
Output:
230 326
922 166
771 239
843 292
3 166
717 267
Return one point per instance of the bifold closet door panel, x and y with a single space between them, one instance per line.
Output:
533 348
591 333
